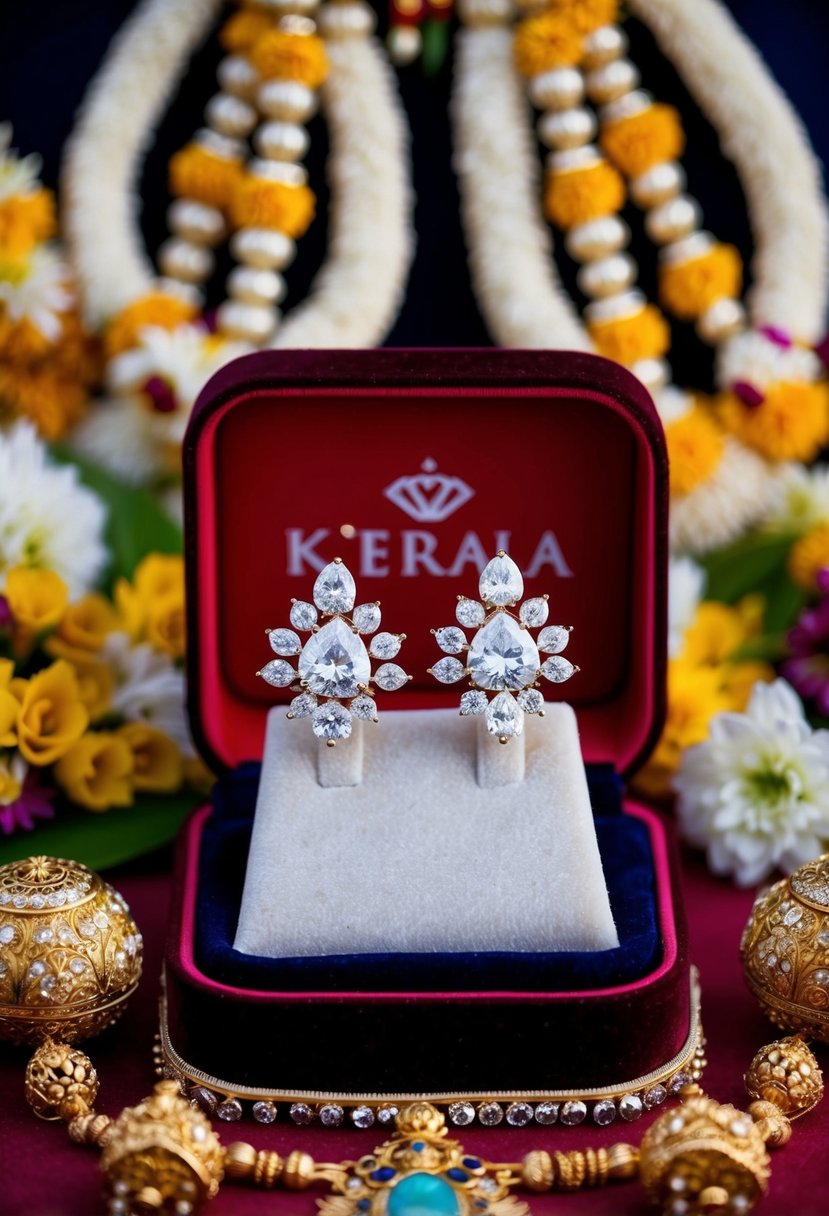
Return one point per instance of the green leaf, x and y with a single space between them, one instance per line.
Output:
741 568
107 839
435 45
784 603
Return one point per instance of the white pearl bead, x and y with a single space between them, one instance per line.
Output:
344 20
278 171
686 249
188 293
722 320
230 116
603 46
286 101
597 238
250 322
219 145
573 158
611 81
558 89
625 106
255 286
196 221
181 259
263 248
654 373
404 43
658 184
479 13
238 76
297 23
281 141
673 219
607 276
625 304
567 128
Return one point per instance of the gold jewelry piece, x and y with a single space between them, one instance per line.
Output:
333 676
785 950
502 658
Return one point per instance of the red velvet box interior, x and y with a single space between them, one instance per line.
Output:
414 467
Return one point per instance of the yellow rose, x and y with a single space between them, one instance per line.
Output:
96 681
9 705
52 715
157 763
87 623
37 598
159 574
131 609
718 630
96 772
166 625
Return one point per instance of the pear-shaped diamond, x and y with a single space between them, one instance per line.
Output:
364 709
503 655
470 613
534 612
501 582
334 661
302 706
531 701
335 590
366 617
504 717
303 615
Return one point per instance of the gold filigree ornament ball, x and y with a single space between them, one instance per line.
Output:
787 1074
785 950
70 952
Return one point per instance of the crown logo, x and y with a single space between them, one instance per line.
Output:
429 497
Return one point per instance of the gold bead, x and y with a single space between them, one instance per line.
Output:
772 1124
240 1161
622 1162
420 1117
537 1171
786 1074
298 1172
90 1129
61 1082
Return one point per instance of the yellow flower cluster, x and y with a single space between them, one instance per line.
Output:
585 15
26 220
707 677
157 309
575 196
241 31
808 556
151 608
198 173
790 423
644 335
284 56
260 203
637 143
549 40
688 288
695 447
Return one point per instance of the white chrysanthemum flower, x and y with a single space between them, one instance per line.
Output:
753 358
117 433
36 291
727 504
148 688
185 357
801 499
46 517
686 584
18 175
755 795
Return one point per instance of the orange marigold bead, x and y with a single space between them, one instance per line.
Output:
695 447
241 30
645 335
545 42
155 309
791 422
260 203
284 56
25 221
198 173
688 289
808 556
585 15
637 143
574 196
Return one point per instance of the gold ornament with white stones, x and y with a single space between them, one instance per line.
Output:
333 676
503 657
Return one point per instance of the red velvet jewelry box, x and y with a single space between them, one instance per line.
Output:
414 467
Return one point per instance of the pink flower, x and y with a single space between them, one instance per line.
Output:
23 801
807 670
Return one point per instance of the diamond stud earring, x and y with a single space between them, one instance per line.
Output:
333 676
503 658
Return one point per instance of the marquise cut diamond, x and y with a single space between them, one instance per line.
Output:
335 590
366 617
384 646
303 615
501 582
334 661
451 639
278 673
553 639
448 670
534 612
470 613
503 655
284 641
390 677
557 669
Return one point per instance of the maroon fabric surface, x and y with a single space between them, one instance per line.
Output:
42 1174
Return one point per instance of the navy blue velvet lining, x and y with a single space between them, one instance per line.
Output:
628 867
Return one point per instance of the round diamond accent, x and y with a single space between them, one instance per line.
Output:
385 646
557 669
451 639
7 935
553 639
335 590
278 673
387 1114
303 705
504 717
503 655
679 1080
38 968
331 721
264 1112
474 702
301 1114
462 1113
284 641
362 1116
490 1114
470 613
303 615
519 1114
390 677
501 582
204 1098
42 936
546 1113
449 670
366 617
331 1115
77 966
531 701
604 1112
229 1111
364 709
573 1113
534 612
630 1107
655 1096
335 661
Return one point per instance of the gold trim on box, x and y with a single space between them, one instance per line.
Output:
628 1100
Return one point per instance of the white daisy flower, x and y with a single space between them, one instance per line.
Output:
755 359
148 688
47 518
36 291
686 584
755 795
18 175
801 499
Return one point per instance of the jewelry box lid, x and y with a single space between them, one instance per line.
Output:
415 466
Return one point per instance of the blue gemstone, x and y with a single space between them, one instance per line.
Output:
423 1195
418 1146
481 1203
472 1163
364 1205
384 1174
457 1175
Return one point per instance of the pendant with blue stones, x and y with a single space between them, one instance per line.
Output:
421 1172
